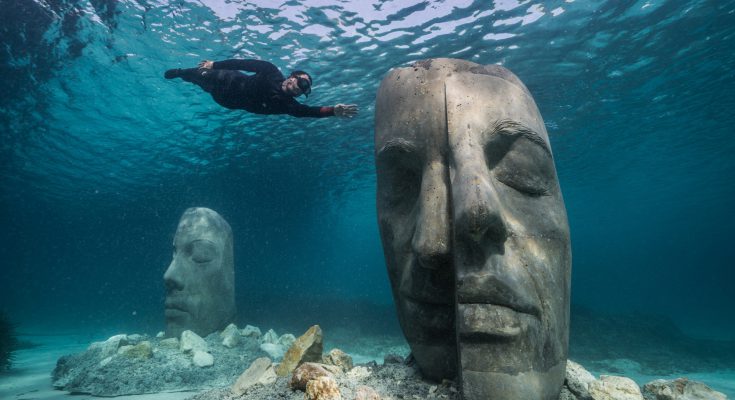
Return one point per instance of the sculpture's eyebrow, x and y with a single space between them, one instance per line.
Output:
512 128
395 146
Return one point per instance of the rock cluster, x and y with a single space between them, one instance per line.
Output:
311 372
137 364
334 378
581 385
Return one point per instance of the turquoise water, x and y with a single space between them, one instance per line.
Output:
100 155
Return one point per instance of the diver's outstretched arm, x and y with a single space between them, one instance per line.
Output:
345 110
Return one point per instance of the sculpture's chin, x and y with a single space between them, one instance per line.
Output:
436 361
429 330
536 385
177 321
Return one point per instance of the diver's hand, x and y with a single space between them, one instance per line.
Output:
206 64
345 110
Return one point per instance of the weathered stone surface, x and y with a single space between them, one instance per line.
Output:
230 336
142 350
679 389
251 331
190 342
577 380
465 146
614 388
260 372
322 388
202 359
308 347
338 358
306 372
366 393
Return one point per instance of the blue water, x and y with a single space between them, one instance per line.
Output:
99 155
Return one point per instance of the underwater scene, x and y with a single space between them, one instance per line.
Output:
367 199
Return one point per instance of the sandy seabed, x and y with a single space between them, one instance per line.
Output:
30 375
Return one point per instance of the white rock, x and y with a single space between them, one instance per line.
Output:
260 372
251 331
286 340
109 347
105 361
191 342
202 359
276 351
230 336
578 379
270 337
229 330
614 388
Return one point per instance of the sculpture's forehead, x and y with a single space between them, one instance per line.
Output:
476 104
191 229
420 102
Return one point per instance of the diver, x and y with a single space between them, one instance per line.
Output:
265 92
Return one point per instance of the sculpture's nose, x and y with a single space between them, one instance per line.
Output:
431 239
172 278
478 219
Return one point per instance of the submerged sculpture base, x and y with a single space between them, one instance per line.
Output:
521 386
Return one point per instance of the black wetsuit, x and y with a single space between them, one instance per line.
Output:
260 93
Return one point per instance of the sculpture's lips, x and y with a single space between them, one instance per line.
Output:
488 323
499 291
520 307
175 306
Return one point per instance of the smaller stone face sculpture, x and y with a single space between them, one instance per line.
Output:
200 281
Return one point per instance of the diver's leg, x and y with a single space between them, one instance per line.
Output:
207 79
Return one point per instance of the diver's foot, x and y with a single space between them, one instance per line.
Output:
172 73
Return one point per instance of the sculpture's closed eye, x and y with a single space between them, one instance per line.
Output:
521 165
402 187
202 251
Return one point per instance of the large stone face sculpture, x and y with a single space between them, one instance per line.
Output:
200 281
474 228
